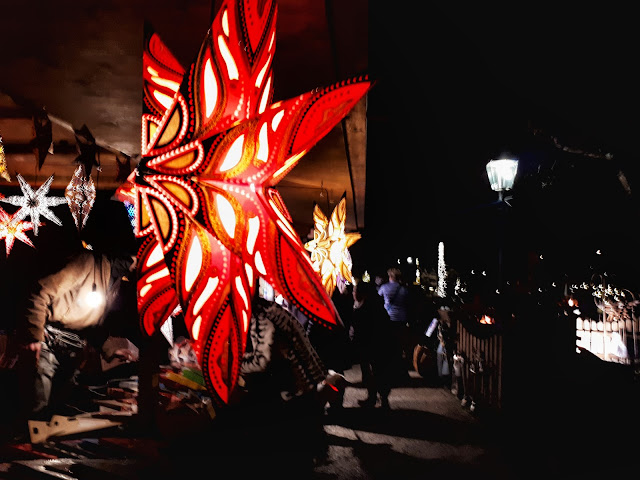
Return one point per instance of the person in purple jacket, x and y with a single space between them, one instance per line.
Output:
396 302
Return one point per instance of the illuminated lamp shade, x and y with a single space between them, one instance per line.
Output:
209 219
502 174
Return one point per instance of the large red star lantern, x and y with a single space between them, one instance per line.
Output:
210 219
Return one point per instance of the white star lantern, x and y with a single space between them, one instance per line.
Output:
36 203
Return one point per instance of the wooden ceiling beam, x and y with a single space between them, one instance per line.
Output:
63 148
16 113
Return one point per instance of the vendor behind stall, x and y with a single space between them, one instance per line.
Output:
69 312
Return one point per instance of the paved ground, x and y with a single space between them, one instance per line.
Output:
580 422
426 432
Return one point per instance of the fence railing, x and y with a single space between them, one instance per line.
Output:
481 369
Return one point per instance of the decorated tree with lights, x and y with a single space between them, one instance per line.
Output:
441 291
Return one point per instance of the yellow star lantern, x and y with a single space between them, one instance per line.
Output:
329 248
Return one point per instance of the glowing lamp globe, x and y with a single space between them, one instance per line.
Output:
502 174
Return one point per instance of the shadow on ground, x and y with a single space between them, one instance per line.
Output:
413 424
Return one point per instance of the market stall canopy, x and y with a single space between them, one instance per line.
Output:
79 66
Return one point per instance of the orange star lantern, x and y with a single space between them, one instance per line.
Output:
210 219
329 248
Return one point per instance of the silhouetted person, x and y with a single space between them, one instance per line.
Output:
336 349
378 349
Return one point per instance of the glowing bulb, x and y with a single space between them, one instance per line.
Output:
94 298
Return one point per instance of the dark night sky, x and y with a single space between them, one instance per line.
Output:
457 87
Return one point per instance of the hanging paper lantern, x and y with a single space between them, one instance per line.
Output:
210 219
44 135
11 228
81 195
329 248
35 203
124 168
88 149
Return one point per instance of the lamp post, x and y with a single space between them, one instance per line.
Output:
501 174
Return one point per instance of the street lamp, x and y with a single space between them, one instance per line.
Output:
502 174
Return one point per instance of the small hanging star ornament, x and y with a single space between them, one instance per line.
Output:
11 228
4 173
329 248
80 195
36 203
